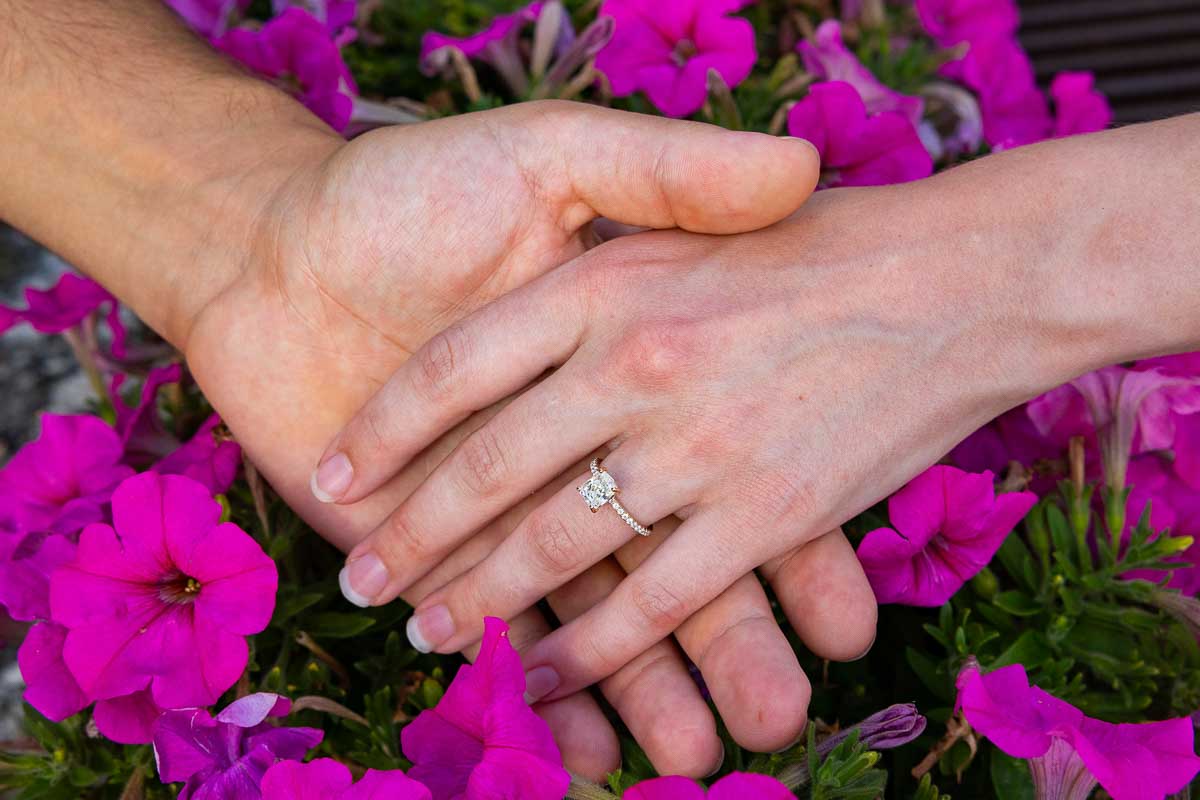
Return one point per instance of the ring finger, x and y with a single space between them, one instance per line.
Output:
553 544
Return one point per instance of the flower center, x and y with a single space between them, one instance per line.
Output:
684 50
179 589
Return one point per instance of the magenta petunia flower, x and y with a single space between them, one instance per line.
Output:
209 18
298 52
735 786
143 437
64 479
1131 410
483 740
225 758
1078 107
326 779
946 526
496 44
49 685
665 48
828 59
949 22
25 572
857 149
1068 752
336 15
65 306
1173 505
1014 109
164 597
209 457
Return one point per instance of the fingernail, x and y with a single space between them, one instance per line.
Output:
429 628
864 653
363 579
539 682
720 762
811 146
332 478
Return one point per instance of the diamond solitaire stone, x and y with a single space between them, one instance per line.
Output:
598 489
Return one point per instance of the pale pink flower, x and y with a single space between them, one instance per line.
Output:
827 58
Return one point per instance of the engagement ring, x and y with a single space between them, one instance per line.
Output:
601 489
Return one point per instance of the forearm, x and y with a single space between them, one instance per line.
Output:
1091 244
138 153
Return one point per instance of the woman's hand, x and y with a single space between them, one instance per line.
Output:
367 254
762 387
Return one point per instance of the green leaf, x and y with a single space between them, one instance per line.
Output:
336 625
1018 603
292 603
1018 562
1030 649
1010 777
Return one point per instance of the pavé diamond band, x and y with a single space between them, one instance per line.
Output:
601 489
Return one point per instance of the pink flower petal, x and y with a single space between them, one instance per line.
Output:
49 685
129 719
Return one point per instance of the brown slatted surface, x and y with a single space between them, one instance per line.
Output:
1145 53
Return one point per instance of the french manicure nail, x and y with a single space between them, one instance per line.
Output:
363 579
332 478
539 682
429 628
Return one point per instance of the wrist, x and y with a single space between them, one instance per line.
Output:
139 154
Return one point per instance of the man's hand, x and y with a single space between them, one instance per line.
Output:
298 272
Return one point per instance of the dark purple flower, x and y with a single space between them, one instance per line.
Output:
1078 107
225 758
665 48
857 149
947 525
326 779
894 726
483 740
1068 752
297 51
828 59
64 479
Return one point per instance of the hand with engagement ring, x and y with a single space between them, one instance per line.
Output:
761 392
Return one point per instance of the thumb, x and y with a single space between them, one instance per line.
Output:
656 172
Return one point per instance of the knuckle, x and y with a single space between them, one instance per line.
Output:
440 361
659 610
402 543
555 548
658 354
483 465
